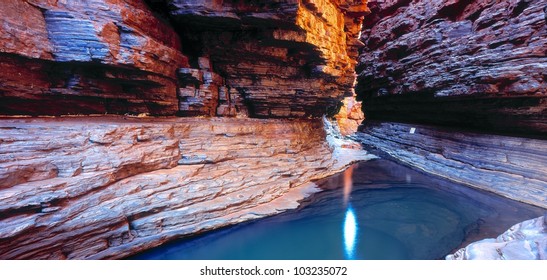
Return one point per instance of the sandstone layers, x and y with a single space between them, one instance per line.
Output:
82 57
472 63
108 187
280 58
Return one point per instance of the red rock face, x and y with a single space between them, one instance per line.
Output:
281 58
461 62
81 57
108 187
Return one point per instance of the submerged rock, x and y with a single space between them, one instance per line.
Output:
523 241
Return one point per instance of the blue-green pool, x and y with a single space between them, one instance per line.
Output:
381 210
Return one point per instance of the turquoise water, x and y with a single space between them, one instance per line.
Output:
375 210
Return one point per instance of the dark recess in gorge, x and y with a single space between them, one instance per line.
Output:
472 64
266 59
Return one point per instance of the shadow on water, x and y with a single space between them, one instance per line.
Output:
374 210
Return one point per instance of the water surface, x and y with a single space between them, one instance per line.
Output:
375 210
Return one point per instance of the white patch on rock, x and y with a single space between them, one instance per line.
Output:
523 241
345 150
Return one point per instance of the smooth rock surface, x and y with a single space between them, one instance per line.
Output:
108 187
509 166
523 241
476 63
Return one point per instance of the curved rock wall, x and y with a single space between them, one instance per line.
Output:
473 63
281 58
509 166
105 187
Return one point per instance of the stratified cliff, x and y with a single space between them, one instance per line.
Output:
82 57
282 58
108 187
473 63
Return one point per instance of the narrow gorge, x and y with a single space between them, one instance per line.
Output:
129 124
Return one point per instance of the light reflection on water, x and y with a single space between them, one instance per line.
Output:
350 222
350 233
375 210
348 184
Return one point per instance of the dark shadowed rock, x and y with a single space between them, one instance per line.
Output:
280 58
276 58
465 63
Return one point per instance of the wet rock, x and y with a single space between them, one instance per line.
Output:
509 166
523 241
460 63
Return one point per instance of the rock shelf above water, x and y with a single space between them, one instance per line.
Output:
108 187
513 167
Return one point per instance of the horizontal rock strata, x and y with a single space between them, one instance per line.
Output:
281 58
473 63
82 57
523 241
509 166
108 187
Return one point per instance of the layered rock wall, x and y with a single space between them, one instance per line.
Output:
473 63
106 187
82 57
509 166
282 58
279 58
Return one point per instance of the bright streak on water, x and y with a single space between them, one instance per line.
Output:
350 233
348 183
385 215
